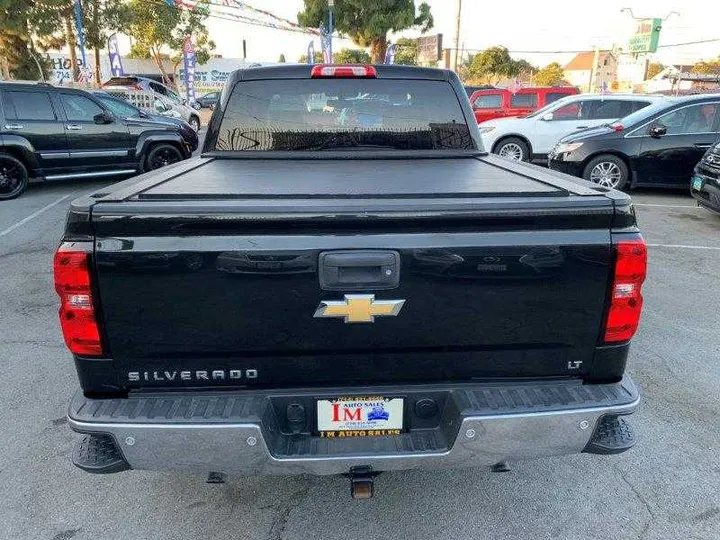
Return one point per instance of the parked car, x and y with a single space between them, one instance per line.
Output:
501 334
705 184
503 103
208 100
655 146
533 136
52 133
133 82
129 112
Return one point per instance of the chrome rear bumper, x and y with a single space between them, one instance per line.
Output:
242 432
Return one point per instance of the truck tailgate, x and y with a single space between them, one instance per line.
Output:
216 270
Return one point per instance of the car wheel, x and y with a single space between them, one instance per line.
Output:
607 171
513 148
13 177
161 156
195 123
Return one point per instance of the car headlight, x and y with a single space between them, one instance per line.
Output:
563 148
485 129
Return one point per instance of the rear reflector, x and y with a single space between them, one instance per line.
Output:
342 72
625 297
77 311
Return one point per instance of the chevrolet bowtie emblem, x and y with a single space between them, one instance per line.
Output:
359 308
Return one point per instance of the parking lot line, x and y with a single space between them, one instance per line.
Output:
667 205
684 246
32 216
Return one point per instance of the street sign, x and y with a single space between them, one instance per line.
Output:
429 49
647 34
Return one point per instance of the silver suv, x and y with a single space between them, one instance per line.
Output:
167 96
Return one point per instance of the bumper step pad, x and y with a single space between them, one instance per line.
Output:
613 435
99 454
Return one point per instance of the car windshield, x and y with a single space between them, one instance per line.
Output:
329 114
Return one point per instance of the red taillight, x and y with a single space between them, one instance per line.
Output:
617 127
625 297
77 312
332 71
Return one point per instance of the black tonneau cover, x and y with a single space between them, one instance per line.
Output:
236 178
470 177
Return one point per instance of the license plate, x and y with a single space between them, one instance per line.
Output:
697 183
357 416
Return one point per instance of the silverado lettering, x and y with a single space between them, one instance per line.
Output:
489 304
187 375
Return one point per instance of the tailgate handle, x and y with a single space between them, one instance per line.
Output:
359 270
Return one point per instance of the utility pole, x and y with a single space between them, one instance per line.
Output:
457 36
331 5
593 70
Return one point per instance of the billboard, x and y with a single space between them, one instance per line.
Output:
646 37
429 49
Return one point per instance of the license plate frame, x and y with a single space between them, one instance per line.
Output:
360 416
698 183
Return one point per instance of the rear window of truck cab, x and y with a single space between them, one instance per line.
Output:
338 114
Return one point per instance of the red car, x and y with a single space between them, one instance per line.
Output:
503 103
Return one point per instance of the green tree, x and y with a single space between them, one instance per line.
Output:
463 70
653 69
710 67
282 60
317 58
525 70
407 50
24 31
157 26
351 56
368 23
100 19
493 64
550 75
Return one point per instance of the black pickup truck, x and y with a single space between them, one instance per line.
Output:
345 282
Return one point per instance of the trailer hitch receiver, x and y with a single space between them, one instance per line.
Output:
361 482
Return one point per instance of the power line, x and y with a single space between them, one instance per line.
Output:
698 42
688 43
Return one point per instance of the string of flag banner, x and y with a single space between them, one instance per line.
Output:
230 8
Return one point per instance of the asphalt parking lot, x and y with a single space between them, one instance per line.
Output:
667 487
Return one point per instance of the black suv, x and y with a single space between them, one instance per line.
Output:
53 133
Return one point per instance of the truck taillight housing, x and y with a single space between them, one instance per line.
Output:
77 311
626 297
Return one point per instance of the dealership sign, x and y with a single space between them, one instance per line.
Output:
429 49
647 35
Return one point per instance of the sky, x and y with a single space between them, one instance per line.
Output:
522 25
